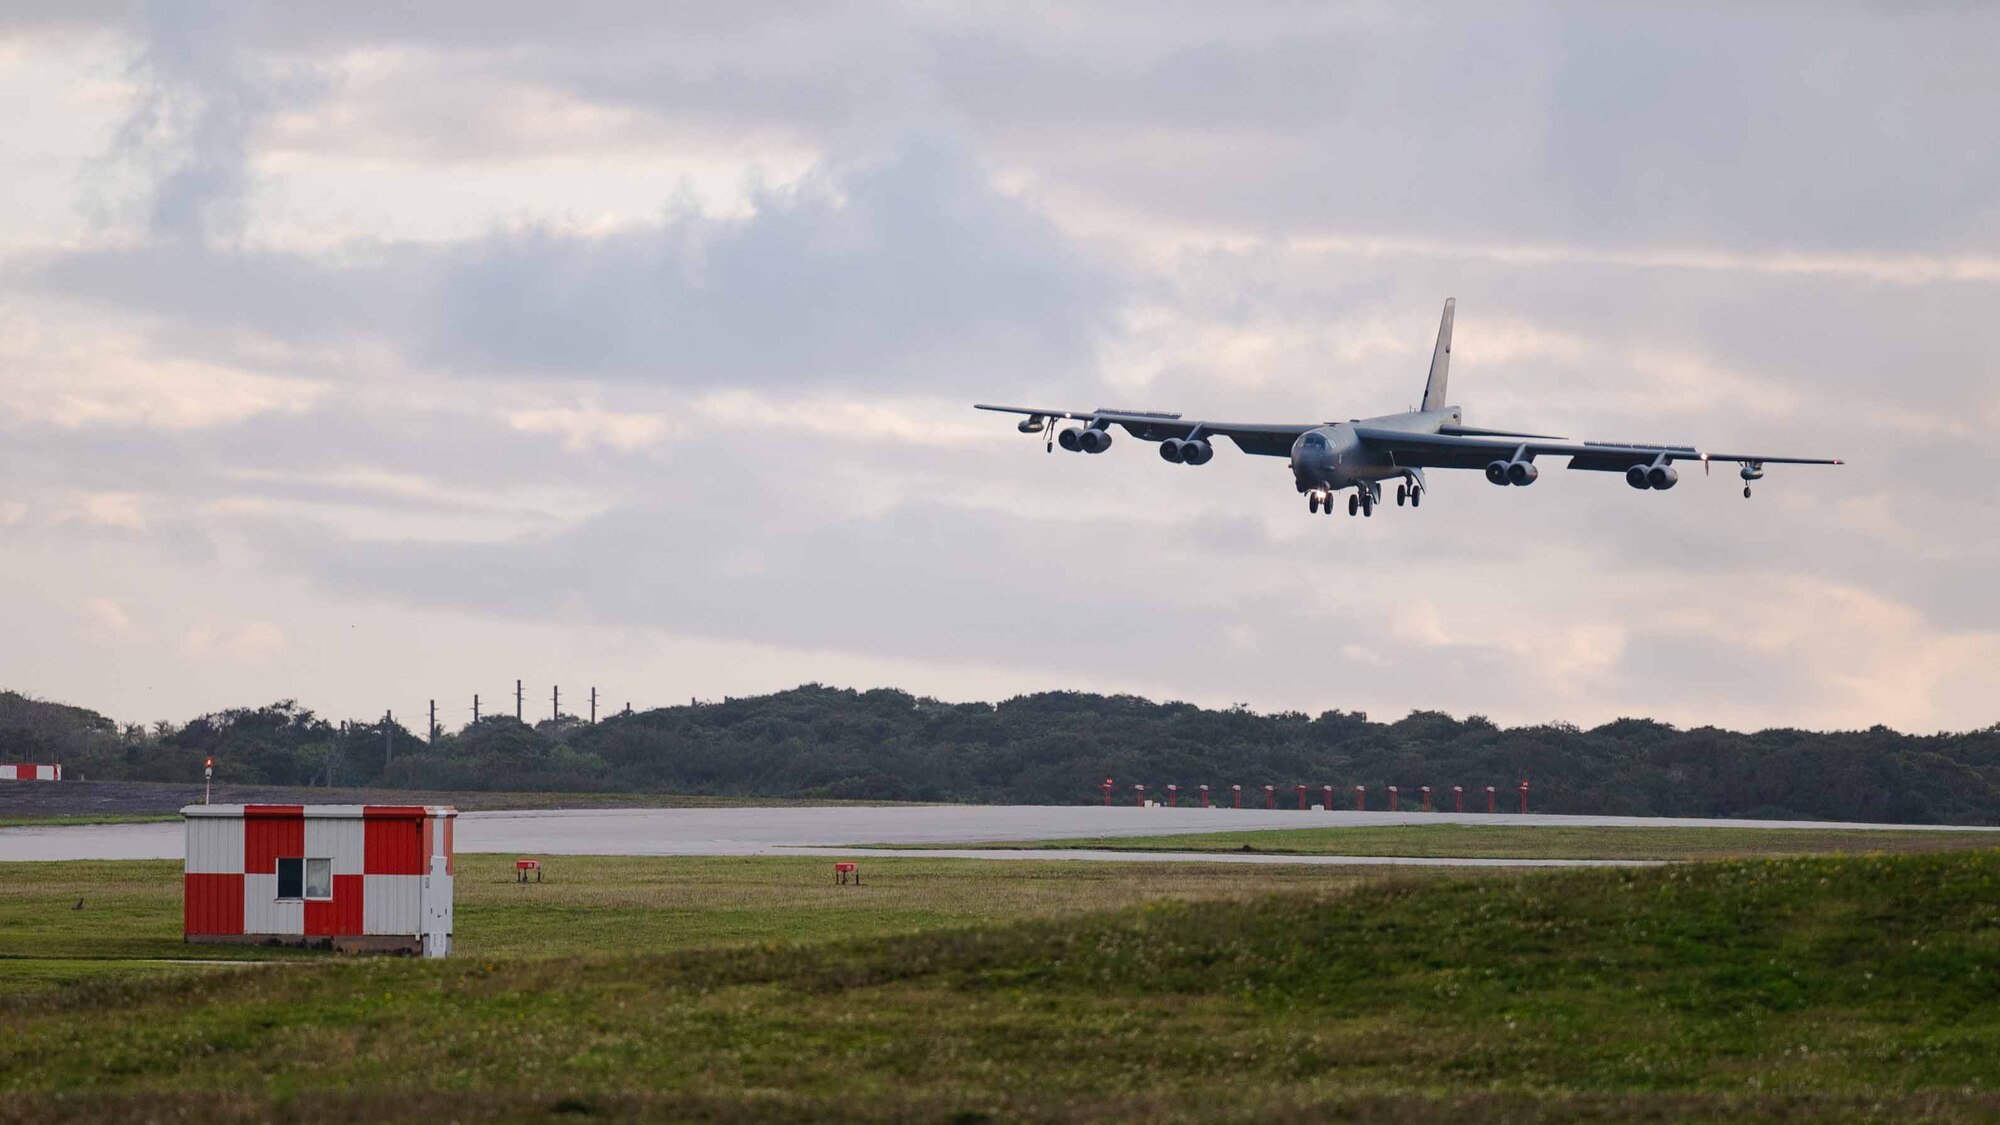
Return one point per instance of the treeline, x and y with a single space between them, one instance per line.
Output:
1052 748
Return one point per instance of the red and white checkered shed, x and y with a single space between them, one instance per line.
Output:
380 856
26 772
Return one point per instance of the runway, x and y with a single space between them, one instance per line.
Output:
791 830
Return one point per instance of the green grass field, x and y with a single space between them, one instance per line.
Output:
131 910
1457 841
1847 988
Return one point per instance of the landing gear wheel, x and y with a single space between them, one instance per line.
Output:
1353 504
1402 494
1368 506
1746 492
1416 497
1312 502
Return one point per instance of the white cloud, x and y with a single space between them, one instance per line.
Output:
104 618
238 642
589 426
123 510
74 372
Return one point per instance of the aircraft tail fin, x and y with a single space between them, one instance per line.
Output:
1434 390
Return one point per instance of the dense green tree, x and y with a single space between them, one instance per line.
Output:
1057 748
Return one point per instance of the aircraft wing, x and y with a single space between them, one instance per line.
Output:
1460 451
1268 439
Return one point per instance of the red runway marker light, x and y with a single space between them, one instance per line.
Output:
1360 797
1458 798
1302 798
1107 787
1237 791
1270 796
1141 790
1326 797
1173 796
1204 796
1489 799
1392 798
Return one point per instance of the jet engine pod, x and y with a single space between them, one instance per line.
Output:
1636 477
1522 473
1662 477
1094 441
1497 472
1197 452
1170 450
1071 439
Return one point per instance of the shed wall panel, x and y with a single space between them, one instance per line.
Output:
214 846
395 846
266 838
211 903
337 838
264 913
341 916
392 904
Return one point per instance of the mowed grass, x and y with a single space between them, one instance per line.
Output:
1855 988
63 922
1502 841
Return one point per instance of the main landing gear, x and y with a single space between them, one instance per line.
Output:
1409 492
1362 503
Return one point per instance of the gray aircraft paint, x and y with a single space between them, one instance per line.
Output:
1361 454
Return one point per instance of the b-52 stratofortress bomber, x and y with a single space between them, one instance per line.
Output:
1362 454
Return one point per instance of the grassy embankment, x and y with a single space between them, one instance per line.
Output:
1859 988
1500 841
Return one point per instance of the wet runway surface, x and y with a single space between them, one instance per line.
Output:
782 830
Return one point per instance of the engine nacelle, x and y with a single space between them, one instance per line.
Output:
1636 477
1094 441
1662 477
1522 473
1071 439
1032 425
1752 471
1196 452
1497 472
1170 450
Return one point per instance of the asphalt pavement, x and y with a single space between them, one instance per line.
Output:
794 830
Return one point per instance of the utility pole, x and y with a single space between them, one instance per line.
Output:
555 704
593 706
517 701
475 708
434 722
388 738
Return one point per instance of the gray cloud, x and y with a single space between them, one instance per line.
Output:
879 272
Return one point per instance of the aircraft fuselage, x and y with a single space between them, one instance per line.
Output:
1332 457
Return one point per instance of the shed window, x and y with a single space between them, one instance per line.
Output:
305 878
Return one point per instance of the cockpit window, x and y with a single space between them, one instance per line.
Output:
1315 441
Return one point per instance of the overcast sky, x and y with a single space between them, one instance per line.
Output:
364 356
